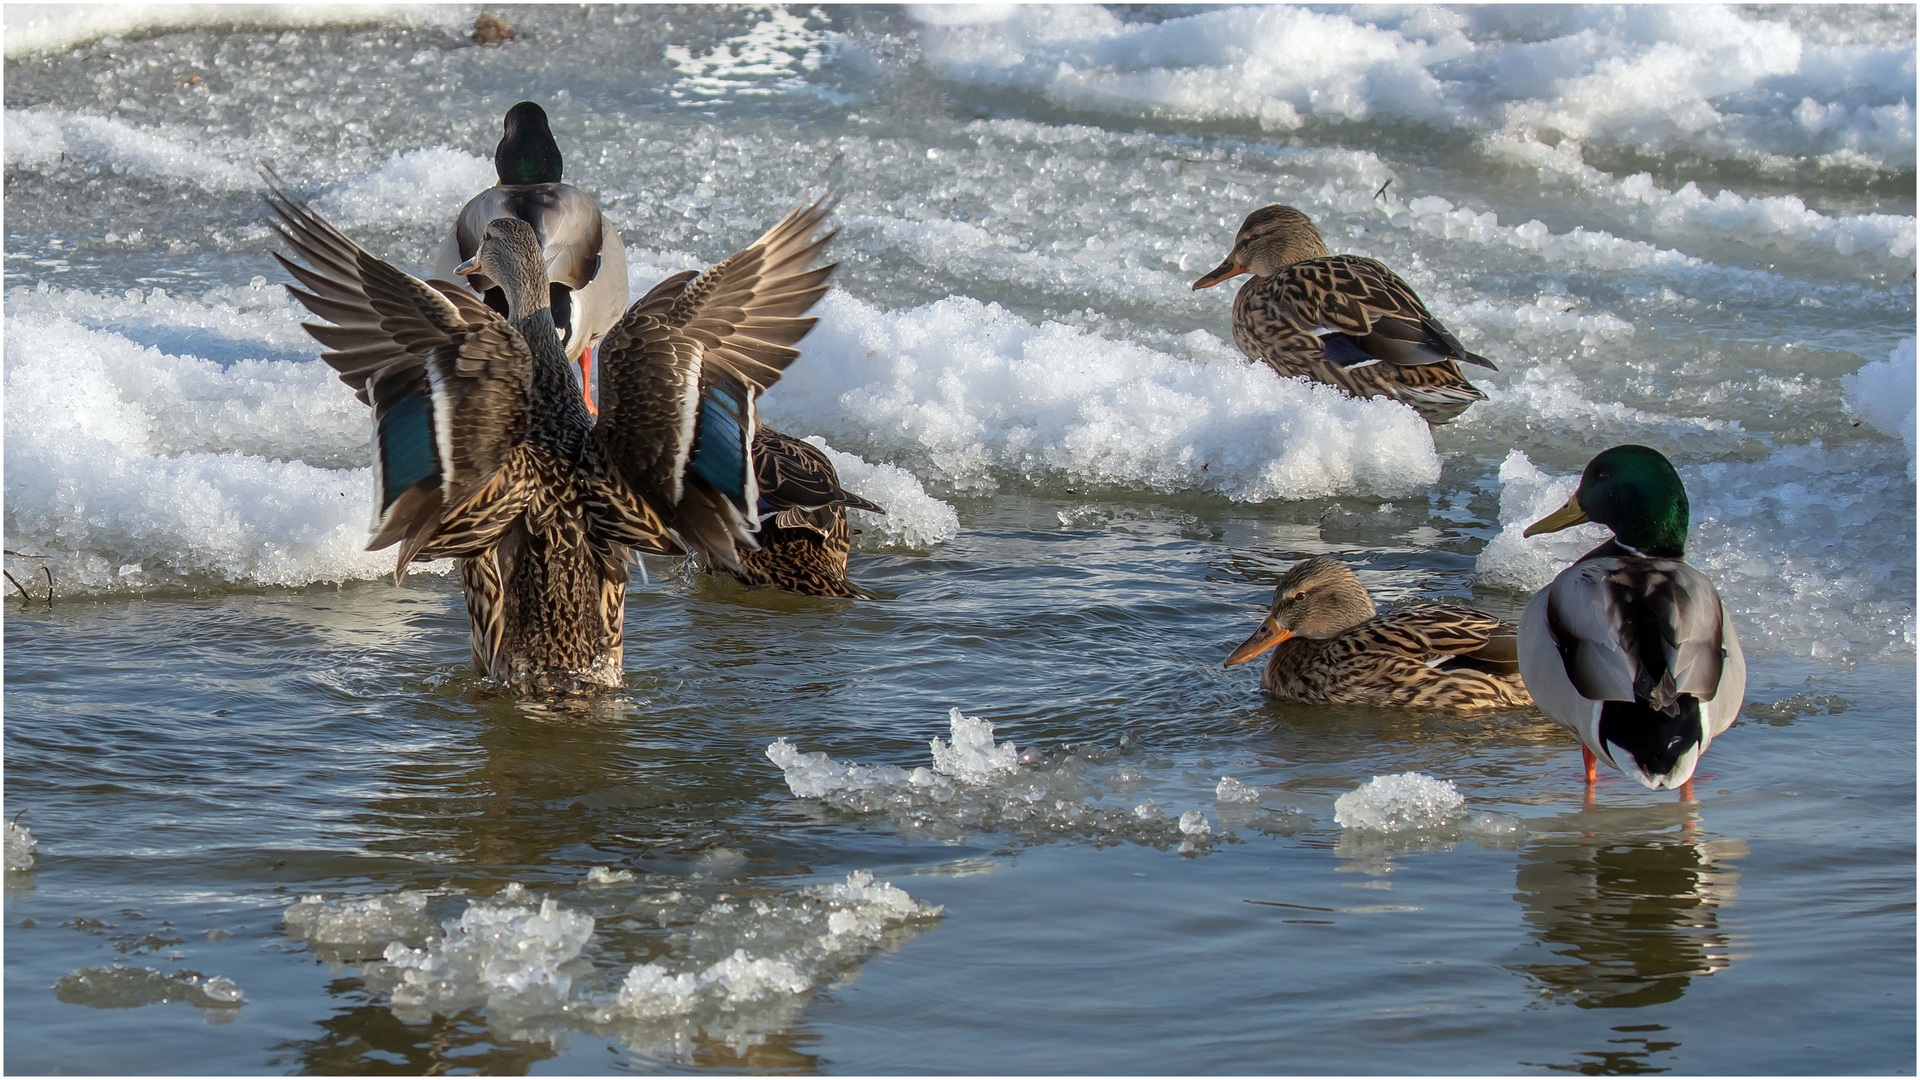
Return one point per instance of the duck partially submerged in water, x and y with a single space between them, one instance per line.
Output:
484 450
804 536
585 263
1332 647
1630 647
1343 320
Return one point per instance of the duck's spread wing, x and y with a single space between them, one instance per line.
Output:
1368 314
680 373
1642 630
446 377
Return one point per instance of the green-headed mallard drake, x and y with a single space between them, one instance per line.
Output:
1630 647
484 450
803 520
586 266
1331 647
1340 319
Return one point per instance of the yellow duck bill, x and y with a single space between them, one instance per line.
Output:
1266 637
1564 518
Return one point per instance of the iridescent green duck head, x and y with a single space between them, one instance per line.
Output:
527 153
1317 599
1270 238
1634 491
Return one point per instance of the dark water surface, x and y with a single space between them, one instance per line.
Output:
197 764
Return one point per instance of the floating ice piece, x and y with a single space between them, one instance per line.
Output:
132 987
1194 824
601 875
20 847
1882 392
510 957
1230 790
374 921
1149 811
1400 803
811 776
974 757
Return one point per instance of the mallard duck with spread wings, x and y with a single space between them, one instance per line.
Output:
804 536
1630 647
586 265
1343 320
1332 647
484 450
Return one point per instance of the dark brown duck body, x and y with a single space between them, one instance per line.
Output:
1330 647
804 536
1343 320
485 452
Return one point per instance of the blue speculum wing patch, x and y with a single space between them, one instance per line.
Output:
407 453
1342 350
720 444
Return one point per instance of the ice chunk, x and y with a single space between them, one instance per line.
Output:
974 757
913 519
133 987
510 957
376 920
1883 393
1400 803
810 776
1528 563
1230 790
970 394
601 875
1194 824
20 847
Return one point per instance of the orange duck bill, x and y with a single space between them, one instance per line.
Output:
1218 274
1266 637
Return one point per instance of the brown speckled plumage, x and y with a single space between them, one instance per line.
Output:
1333 649
1343 320
804 537
485 451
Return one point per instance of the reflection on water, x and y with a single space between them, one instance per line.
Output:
1632 908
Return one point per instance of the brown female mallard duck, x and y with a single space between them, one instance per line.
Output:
1630 648
1340 319
484 450
803 537
1330 647
586 266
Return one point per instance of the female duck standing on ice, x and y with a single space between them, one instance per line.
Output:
1340 319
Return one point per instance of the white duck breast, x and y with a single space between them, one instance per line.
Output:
1638 658
581 248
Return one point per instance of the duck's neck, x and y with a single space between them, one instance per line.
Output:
560 417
